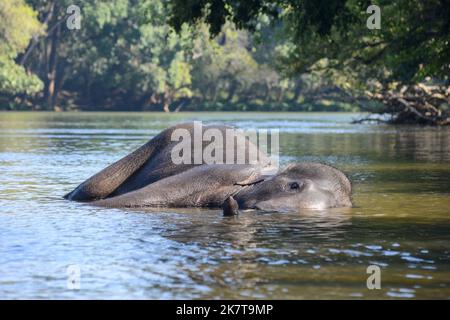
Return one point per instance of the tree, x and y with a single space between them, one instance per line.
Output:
18 25
331 35
124 54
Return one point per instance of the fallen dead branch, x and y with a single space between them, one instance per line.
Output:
418 104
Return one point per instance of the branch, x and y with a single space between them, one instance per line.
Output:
369 119
35 39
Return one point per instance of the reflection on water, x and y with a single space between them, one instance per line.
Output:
401 178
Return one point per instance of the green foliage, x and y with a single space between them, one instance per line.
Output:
127 56
413 42
18 25
124 54
15 80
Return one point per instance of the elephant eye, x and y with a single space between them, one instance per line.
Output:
294 186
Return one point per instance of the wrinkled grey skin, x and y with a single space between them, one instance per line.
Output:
148 178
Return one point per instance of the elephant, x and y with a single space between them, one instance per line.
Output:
149 177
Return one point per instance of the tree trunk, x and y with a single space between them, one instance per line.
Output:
59 83
297 91
35 40
267 92
167 100
166 107
49 89
232 91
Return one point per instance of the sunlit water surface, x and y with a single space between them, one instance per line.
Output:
401 222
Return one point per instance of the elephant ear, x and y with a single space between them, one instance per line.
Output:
258 175
251 180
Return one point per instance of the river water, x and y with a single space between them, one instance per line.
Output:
400 222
